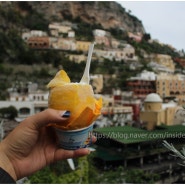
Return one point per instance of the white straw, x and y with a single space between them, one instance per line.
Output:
85 78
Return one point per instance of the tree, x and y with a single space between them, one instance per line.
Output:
59 173
146 36
140 177
8 112
43 176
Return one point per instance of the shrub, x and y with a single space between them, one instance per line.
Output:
8 112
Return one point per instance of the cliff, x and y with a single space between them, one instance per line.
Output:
108 14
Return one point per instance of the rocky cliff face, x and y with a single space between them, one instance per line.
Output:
108 14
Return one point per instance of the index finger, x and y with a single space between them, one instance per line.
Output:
44 118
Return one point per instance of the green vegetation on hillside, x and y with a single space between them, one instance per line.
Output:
87 173
44 64
153 47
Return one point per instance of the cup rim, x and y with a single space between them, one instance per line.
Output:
77 130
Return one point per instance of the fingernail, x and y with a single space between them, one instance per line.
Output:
66 114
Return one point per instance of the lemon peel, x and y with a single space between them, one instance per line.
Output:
61 78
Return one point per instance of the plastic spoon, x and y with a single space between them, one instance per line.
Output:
85 78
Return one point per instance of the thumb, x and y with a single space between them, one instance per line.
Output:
45 117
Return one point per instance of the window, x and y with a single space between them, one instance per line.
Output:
24 110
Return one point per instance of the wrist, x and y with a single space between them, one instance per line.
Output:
6 164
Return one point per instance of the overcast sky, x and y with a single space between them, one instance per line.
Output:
164 20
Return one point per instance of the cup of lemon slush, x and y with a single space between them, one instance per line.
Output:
77 98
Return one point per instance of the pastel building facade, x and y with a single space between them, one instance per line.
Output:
143 84
155 113
82 46
166 61
171 86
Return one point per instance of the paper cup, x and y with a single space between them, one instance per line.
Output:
75 139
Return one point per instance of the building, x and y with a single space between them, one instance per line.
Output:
136 148
166 61
180 61
113 113
38 42
105 41
97 83
126 53
82 46
67 44
158 68
155 113
142 85
102 37
99 33
126 99
114 116
60 29
160 63
115 43
77 58
33 33
135 104
170 86
27 103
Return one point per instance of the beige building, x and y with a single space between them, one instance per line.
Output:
171 86
126 53
115 43
97 82
166 61
102 37
162 85
77 58
155 113
82 46
57 28
66 44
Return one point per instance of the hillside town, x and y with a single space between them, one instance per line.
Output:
149 104
165 82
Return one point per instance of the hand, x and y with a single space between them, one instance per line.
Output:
32 145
